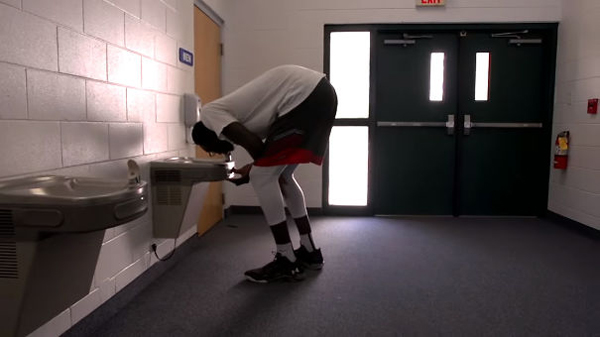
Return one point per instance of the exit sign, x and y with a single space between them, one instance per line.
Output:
430 3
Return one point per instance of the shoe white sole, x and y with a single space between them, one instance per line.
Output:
251 279
295 278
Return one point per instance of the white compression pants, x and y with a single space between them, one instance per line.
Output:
275 185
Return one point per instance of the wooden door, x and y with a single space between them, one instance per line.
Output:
207 77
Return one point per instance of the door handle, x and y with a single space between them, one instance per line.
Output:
468 125
449 124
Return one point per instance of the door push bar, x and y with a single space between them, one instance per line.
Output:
468 125
449 124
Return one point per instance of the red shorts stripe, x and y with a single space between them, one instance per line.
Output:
290 156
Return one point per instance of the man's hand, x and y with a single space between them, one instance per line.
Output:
244 173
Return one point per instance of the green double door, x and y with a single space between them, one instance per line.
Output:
462 122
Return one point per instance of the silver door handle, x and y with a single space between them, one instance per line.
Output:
449 124
468 125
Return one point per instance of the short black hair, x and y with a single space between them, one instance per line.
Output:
208 140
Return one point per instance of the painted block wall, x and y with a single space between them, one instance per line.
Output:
215 5
575 192
86 85
260 34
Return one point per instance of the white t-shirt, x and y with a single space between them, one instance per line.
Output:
259 102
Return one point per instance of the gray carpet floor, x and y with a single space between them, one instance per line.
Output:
382 277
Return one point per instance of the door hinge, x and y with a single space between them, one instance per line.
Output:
223 198
221 49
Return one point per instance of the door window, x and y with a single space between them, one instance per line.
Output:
349 72
348 165
482 76
436 80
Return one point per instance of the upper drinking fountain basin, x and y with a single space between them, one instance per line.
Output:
72 204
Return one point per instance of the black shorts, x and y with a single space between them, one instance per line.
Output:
302 135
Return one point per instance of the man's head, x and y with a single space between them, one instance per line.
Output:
208 140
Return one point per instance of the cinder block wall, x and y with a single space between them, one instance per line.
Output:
86 85
575 193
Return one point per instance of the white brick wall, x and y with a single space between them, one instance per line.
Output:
169 109
105 102
84 143
81 55
126 140
176 136
141 105
154 75
13 92
173 29
155 138
124 67
14 3
132 7
155 13
47 93
104 21
575 193
32 145
259 35
139 36
79 81
27 39
65 12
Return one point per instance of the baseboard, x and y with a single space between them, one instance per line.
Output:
91 323
231 210
573 225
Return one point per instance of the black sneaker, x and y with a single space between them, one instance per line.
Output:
279 269
310 260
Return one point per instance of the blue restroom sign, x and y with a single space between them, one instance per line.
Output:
186 57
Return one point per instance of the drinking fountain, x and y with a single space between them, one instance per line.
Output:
51 232
179 187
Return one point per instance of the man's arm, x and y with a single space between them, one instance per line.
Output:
240 135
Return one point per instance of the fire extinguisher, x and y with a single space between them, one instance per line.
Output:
561 150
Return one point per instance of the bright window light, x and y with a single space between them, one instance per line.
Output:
436 77
349 68
348 165
482 77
